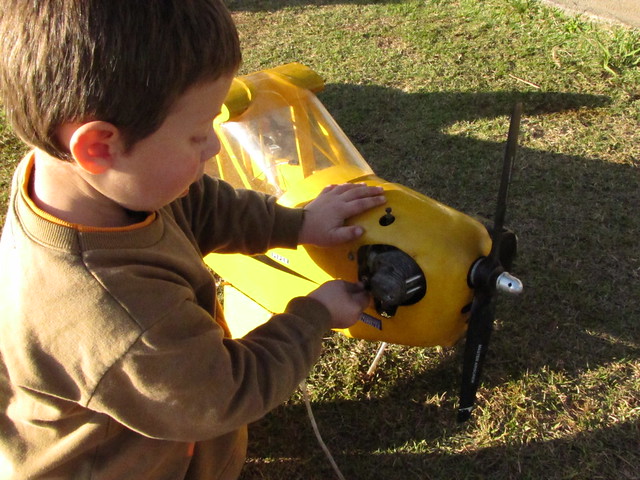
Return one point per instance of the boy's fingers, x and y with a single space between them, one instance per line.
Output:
361 190
345 187
362 204
328 188
361 297
352 191
347 233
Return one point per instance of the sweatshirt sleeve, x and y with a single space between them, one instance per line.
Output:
188 383
228 220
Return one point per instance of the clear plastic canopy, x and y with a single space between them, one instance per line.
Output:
283 136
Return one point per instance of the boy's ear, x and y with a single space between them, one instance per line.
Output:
94 146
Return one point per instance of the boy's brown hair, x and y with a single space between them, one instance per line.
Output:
119 61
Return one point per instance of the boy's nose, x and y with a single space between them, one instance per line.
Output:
212 147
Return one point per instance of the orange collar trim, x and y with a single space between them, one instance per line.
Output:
24 190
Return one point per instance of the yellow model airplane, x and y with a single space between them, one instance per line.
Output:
432 270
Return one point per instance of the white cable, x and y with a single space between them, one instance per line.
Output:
307 402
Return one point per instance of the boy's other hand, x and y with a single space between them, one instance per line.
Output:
344 300
324 218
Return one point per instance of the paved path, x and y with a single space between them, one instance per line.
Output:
626 12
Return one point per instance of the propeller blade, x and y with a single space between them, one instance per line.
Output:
505 180
485 275
477 343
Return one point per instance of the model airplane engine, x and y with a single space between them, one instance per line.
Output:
393 277
432 270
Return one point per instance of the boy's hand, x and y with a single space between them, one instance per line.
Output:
344 300
324 218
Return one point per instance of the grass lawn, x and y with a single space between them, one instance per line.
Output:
424 90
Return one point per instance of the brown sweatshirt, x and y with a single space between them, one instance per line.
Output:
112 364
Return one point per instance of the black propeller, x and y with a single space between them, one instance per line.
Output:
488 275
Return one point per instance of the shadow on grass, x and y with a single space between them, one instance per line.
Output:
605 453
576 219
397 436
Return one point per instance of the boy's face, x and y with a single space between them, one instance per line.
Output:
160 168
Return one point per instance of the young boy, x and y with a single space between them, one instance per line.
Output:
114 361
